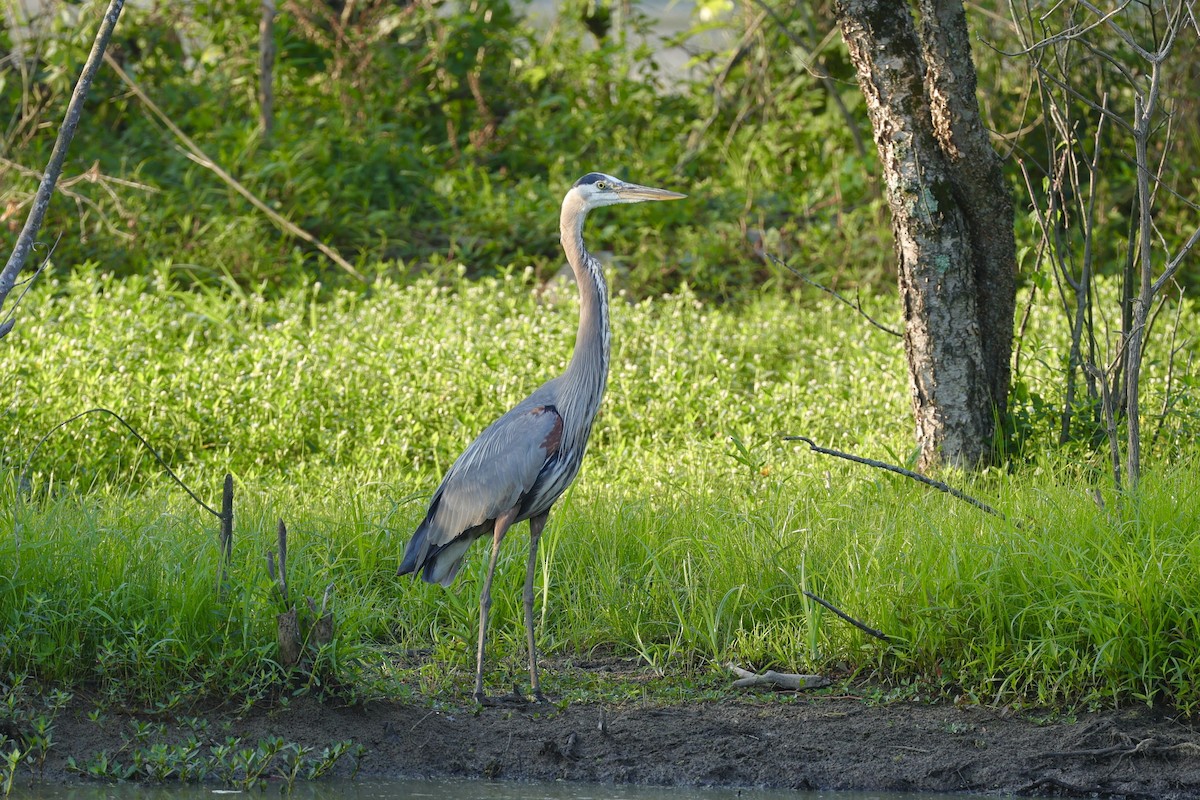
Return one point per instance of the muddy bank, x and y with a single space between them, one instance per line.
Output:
812 742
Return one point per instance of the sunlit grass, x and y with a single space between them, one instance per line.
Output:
688 541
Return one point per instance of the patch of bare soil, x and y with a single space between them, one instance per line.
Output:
812 742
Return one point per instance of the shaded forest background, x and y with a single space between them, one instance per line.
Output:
415 137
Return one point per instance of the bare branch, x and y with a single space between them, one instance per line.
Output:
857 305
861 626
916 476
1173 267
777 680
24 479
1069 34
1118 30
8 322
266 68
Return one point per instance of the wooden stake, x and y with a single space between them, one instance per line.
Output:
227 519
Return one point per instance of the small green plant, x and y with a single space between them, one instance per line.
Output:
31 715
11 757
230 762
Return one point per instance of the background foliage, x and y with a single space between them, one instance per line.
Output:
414 135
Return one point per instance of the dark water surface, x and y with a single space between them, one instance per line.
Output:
445 790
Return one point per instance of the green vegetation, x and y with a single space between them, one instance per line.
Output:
431 146
381 150
147 754
687 543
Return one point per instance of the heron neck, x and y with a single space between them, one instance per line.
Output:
587 373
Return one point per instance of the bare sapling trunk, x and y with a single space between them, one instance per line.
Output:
1142 136
951 220
41 201
266 68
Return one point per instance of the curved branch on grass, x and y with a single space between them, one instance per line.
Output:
908 473
862 626
24 475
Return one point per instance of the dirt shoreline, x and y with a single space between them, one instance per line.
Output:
812 742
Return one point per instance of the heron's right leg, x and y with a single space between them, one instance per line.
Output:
485 598
536 524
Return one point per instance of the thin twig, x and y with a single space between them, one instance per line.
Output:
1071 34
196 154
916 476
25 468
8 322
857 305
861 626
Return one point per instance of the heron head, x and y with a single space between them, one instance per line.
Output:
597 189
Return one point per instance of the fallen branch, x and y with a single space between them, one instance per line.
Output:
23 478
777 680
916 476
856 305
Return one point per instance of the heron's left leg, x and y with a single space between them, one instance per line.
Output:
485 598
536 524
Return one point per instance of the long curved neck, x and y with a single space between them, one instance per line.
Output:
587 373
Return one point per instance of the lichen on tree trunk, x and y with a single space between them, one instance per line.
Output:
951 219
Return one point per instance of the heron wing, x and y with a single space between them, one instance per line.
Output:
490 477
498 468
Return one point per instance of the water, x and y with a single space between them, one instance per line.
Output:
448 790
668 19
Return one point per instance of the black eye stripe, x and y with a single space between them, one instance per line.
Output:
597 179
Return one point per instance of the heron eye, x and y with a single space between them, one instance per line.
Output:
601 185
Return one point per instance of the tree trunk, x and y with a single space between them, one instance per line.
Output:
951 219
66 132
266 68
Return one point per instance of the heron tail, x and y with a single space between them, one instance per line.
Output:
414 552
436 563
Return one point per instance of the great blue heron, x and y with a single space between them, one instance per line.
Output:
526 459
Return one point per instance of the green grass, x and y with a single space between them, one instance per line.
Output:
688 540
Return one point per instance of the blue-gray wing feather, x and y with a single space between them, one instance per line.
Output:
493 475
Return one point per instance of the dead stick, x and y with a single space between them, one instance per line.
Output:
857 305
266 68
198 155
227 518
779 680
916 476
283 589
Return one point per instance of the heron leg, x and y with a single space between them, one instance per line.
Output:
536 524
485 598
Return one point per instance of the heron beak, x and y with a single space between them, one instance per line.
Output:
633 193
